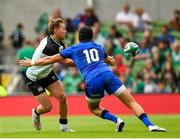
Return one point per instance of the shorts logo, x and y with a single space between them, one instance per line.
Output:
40 89
95 95
53 77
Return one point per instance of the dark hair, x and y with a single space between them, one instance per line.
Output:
19 26
177 11
85 34
54 23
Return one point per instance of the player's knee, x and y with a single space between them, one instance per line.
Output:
62 99
93 110
48 107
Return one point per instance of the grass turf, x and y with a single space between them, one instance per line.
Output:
89 127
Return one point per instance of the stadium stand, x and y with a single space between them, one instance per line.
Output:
154 43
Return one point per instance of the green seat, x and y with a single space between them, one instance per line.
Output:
176 34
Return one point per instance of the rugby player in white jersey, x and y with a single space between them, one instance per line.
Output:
40 78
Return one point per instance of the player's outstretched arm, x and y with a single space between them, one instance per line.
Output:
68 62
110 61
43 61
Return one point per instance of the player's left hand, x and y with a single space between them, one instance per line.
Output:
112 61
26 63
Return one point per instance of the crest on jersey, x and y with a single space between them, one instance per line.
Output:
61 48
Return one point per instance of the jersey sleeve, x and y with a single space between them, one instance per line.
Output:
104 51
66 53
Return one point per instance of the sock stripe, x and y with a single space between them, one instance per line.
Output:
63 121
36 112
103 113
142 116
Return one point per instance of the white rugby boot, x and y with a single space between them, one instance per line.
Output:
36 120
119 125
155 128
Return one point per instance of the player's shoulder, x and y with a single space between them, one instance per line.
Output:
51 41
98 46
74 47
51 47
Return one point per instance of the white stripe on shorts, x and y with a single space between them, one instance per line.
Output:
92 99
120 90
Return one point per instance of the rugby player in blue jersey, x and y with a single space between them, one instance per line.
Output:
90 59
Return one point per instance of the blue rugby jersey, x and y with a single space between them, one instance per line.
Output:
88 57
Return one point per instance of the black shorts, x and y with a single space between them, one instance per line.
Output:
38 87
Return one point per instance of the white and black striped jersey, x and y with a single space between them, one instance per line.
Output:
47 47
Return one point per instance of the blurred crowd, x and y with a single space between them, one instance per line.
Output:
156 69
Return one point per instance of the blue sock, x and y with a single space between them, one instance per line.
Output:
107 115
144 118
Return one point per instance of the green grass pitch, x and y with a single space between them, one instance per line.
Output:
89 127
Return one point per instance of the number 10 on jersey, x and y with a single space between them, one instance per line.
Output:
91 55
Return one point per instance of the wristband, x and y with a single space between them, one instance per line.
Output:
32 63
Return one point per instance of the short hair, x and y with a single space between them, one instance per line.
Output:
85 34
177 11
54 23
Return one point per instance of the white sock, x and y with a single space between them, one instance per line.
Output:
63 126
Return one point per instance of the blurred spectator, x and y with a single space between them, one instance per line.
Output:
120 66
76 39
69 25
168 75
1 34
145 50
114 34
125 17
90 18
42 24
157 64
129 77
98 36
111 47
72 81
162 88
165 35
56 13
114 49
3 91
175 22
26 51
149 85
122 42
60 70
164 51
76 21
138 84
17 36
149 69
175 54
131 36
143 20
148 38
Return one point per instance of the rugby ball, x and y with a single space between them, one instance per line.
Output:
131 48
